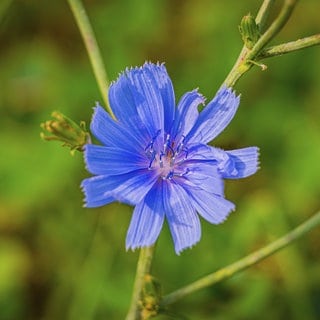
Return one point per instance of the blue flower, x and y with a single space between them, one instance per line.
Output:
156 157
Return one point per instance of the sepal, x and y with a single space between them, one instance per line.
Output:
63 129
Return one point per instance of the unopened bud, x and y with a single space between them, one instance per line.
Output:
63 129
249 31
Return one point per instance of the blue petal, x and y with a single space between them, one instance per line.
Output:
212 207
133 186
112 133
129 188
244 163
215 116
186 113
164 83
144 97
147 220
204 153
182 218
102 160
204 176
94 189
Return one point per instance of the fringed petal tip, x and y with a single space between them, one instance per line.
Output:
224 218
245 161
229 90
134 248
82 188
215 116
179 250
97 108
147 64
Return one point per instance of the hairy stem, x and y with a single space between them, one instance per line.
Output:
290 46
243 263
143 268
92 49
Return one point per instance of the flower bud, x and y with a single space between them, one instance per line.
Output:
249 31
63 129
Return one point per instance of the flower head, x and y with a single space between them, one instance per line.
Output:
62 128
155 157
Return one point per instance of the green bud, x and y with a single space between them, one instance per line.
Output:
249 31
63 129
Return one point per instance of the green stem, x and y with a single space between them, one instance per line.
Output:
290 46
275 28
92 49
143 268
263 13
243 263
243 63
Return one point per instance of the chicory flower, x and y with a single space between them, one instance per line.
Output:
155 156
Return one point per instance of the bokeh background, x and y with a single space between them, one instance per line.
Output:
61 261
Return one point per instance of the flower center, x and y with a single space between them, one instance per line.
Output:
166 158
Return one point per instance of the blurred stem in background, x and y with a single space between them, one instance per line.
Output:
255 41
92 49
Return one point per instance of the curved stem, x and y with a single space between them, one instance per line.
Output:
243 263
92 49
290 46
143 268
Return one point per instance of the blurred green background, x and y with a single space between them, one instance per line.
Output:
61 261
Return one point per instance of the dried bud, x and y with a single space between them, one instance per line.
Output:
63 129
249 31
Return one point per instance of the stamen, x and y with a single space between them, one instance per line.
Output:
185 149
170 175
153 156
160 159
150 144
167 162
167 143
181 144
184 173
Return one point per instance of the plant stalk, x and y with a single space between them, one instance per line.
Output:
243 263
143 269
290 46
93 50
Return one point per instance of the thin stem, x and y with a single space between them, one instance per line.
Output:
263 13
290 46
243 263
92 49
243 63
275 28
143 268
